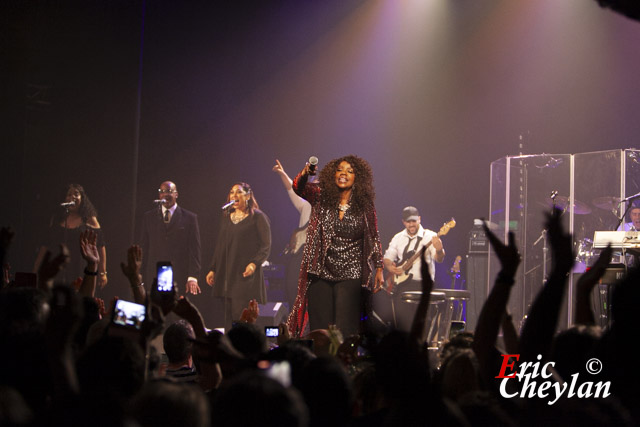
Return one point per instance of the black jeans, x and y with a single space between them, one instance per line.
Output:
335 303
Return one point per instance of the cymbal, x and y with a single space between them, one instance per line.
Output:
607 203
579 208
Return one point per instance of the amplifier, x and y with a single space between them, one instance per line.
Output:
478 242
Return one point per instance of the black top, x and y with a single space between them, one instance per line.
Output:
248 241
344 255
71 238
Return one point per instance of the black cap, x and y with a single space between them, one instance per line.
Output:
410 214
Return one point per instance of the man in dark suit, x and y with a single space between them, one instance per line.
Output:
171 233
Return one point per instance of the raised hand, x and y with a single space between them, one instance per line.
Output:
251 313
306 171
165 300
278 167
507 254
152 324
131 270
185 309
134 262
49 268
101 307
592 276
189 312
561 243
89 249
418 326
427 281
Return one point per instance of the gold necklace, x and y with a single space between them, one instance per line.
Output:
238 216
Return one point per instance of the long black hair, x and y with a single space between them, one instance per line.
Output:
363 192
86 210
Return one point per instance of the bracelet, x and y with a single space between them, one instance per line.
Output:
104 273
90 273
138 285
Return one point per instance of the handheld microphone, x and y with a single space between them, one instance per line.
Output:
68 204
160 201
313 164
228 205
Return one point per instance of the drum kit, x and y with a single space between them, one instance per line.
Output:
585 251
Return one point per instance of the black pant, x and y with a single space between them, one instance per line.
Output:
335 303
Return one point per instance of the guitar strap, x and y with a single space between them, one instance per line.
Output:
406 248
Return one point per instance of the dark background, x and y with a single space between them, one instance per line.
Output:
429 92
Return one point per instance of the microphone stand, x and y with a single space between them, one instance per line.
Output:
621 219
545 250
626 200
226 273
543 237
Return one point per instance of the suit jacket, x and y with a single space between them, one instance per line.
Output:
177 242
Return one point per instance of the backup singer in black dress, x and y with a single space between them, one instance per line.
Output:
343 254
244 243
77 215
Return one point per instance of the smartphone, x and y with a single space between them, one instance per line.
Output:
129 315
165 276
457 326
271 331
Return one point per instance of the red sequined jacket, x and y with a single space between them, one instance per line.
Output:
319 235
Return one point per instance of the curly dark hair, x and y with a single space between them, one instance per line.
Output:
86 209
363 192
252 203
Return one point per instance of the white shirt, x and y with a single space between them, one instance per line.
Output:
302 206
399 242
627 226
171 210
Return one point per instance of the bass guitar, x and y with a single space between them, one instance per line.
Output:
396 279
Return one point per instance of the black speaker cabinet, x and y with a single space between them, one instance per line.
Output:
477 285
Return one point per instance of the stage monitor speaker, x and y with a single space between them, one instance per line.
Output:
271 314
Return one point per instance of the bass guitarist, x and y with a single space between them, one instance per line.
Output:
401 248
